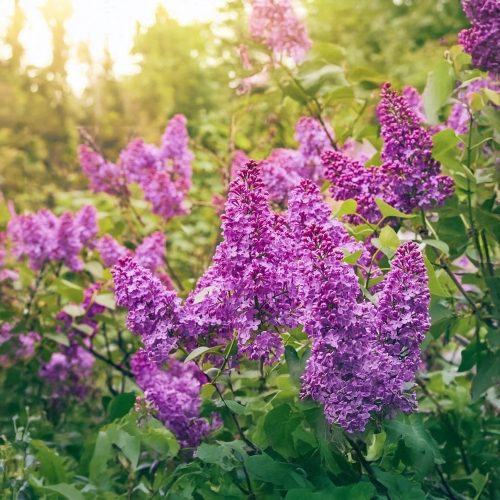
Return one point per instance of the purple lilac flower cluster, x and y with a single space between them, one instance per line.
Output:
460 114
164 173
275 23
482 40
273 272
174 390
153 310
17 347
44 237
409 177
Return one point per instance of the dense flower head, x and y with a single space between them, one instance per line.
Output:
104 176
150 254
460 114
275 23
414 178
153 310
175 153
281 171
137 158
247 288
402 313
362 361
174 390
351 179
313 142
110 250
42 237
68 372
482 40
16 347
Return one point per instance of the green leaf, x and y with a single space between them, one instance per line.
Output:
73 310
399 486
346 207
434 285
387 211
440 245
235 407
279 425
69 290
227 455
295 364
107 300
66 490
120 405
352 258
388 238
51 465
264 468
203 293
199 351
488 374
439 86
359 491
421 450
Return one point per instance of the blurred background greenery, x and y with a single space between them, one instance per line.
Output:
185 68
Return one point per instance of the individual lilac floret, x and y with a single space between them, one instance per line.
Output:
415 179
482 40
153 310
104 176
403 309
150 254
351 179
175 393
313 142
275 23
110 250
460 115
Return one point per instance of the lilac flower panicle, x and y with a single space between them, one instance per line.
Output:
275 23
482 40
150 254
153 310
137 159
175 152
110 250
68 243
86 224
414 177
313 142
175 393
351 179
104 176
403 309
459 118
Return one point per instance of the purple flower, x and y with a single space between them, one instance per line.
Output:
275 23
138 158
153 310
104 176
351 179
414 176
313 142
150 254
175 392
110 250
86 224
460 115
482 40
